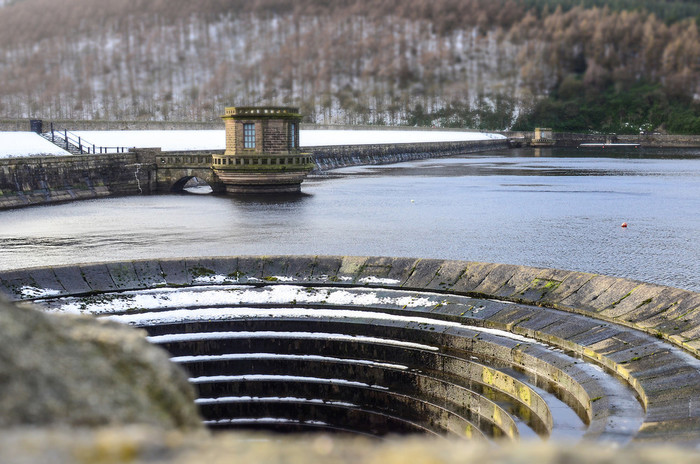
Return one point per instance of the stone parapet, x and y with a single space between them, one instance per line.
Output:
41 180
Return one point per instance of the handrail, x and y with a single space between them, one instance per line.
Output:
83 146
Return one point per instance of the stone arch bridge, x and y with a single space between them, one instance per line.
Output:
174 169
50 179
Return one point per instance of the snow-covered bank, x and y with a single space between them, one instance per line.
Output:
175 140
167 140
316 138
18 144
14 144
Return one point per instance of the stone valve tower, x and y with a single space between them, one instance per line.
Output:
262 151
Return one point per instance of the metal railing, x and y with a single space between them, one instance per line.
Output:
73 142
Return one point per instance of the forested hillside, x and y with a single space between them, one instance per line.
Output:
494 64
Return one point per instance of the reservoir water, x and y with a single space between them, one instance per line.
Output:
562 210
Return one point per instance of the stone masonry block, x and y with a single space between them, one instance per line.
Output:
250 268
46 278
447 275
301 267
423 273
586 297
497 280
175 271
473 276
98 277
71 279
149 273
651 311
326 268
350 268
274 266
124 275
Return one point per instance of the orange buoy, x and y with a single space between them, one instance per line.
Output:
624 224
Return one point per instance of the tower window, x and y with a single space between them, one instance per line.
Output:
292 135
248 135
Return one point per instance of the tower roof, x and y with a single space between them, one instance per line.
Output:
261 112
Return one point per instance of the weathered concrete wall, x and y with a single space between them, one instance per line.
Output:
41 180
331 157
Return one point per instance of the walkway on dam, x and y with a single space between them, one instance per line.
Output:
18 144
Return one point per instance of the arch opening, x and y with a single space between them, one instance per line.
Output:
193 185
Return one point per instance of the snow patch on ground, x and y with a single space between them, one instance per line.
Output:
200 336
275 377
269 399
314 138
20 144
210 314
379 280
231 295
33 292
226 302
200 358
175 140
214 279
167 140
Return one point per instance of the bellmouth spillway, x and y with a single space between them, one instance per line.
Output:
379 346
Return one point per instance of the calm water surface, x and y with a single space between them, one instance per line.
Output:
562 211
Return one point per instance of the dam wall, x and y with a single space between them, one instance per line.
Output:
332 157
43 180
27 181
